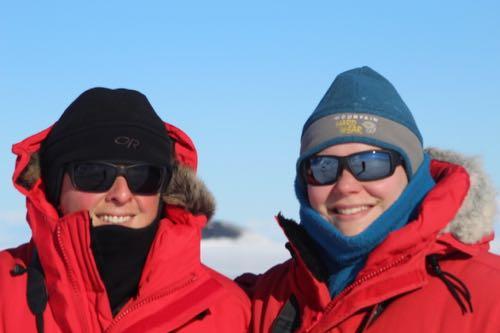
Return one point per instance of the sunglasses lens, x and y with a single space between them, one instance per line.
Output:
364 166
323 170
144 179
93 177
368 166
99 177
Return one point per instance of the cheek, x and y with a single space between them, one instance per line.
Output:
72 200
149 204
318 195
388 190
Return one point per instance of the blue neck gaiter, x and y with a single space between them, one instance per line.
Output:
345 256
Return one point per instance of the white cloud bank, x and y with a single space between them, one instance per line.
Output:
249 253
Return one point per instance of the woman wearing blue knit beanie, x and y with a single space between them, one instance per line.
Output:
392 237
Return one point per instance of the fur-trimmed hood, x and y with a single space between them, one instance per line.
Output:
475 218
185 188
462 207
78 298
457 215
438 263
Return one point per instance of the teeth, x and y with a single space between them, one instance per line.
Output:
115 219
353 210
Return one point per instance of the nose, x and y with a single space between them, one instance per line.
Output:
347 184
119 192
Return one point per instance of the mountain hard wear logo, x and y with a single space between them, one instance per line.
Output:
348 126
354 124
127 142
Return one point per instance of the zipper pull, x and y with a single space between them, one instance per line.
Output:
456 287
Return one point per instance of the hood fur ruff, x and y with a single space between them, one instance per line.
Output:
476 216
185 188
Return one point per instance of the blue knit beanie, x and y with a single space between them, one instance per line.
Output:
363 106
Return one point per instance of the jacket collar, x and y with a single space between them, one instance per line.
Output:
63 243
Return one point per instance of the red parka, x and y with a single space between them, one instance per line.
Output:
433 275
176 292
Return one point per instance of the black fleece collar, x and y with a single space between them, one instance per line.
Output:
120 254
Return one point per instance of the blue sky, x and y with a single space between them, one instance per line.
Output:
241 78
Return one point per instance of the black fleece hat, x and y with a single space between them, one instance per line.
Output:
104 124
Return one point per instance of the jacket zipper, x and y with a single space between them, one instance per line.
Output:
192 278
70 271
364 279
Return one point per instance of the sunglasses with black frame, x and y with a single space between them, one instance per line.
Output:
365 166
99 176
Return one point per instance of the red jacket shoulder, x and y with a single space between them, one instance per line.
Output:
10 257
482 272
490 260
13 286
264 284
234 307
229 285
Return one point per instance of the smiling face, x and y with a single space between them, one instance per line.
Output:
117 206
351 205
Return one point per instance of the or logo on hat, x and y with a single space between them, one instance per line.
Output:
127 142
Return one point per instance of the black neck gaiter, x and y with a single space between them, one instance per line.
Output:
120 254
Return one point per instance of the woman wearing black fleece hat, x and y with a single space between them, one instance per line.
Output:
116 211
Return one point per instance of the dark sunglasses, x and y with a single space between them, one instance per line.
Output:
98 176
364 166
